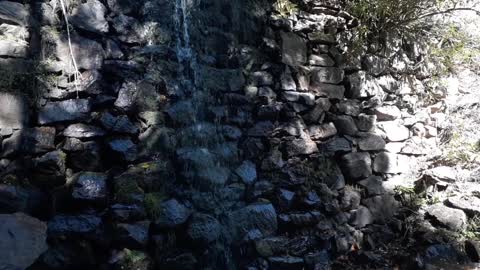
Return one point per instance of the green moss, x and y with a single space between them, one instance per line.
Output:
153 203
124 187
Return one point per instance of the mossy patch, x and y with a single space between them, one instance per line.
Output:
153 203
124 188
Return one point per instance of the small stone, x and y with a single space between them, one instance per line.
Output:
322 60
322 105
302 146
132 235
171 214
366 122
294 49
373 185
14 12
382 207
387 113
286 263
330 91
322 132
345 125
330 75
61 226
247 172
68 110
350 107
394 131
125 148
370 142
361 217
469 204
90 187
83 131
122 124
391 163
356 165
90 16
453 219
203 229
29 140
261 216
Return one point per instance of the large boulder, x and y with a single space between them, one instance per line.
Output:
356 165
90 16
13 111
294 49
260 216
23 240
29 140
14 12
11 48
170 214
68 110
453 219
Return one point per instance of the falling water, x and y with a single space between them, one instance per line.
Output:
201 139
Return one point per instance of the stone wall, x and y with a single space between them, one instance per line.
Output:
276 150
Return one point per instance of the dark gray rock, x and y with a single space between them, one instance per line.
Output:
370 142
366 122
68 110
356 165
118 124
247 172
286 263
330 91
29 140
453 219
270 246
350 107
133 236
49 169
336 145
157 141
83 225
203 229
330 75
124 6
294 49
83 155
361 217
127 213
90 188
318 260
323 60
171 213
363 85
382 207
181 112
88 53
90 16
472 248
220 80
301 146
201 167
345 125
261 216
373 185
375 65
125 148
391 163
17 199
322 132
350 199
322 105
14 12
285 199
261 78
83 131
23 240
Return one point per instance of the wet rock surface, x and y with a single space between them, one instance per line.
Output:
187 142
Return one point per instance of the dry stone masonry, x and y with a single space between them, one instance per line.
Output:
208 134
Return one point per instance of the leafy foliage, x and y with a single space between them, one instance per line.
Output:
285 8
